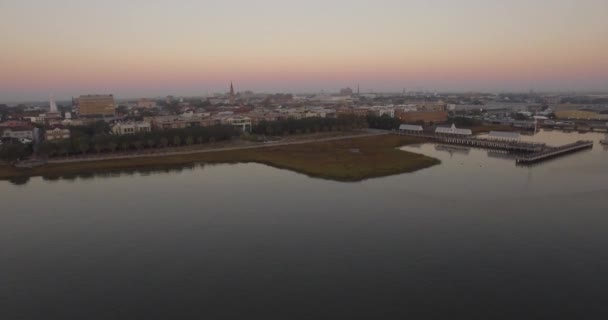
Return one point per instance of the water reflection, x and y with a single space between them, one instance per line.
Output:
250 239
114 173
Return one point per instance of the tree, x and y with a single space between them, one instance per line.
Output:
150 142
98 147
63 147
83 145
189 141
164 142
13 152
138 144
124 146
177 141
112 146
47 148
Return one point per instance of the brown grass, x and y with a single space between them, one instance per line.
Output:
343 160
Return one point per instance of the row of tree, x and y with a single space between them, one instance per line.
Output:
103 143
309 125
384 122
11 151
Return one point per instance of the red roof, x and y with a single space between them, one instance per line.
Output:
15 124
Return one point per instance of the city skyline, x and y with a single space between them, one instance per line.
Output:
154 48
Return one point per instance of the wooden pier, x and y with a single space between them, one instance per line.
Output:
475 142
529 152
552 152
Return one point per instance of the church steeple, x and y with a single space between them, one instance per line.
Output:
232 95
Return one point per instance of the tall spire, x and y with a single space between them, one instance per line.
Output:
232 96
53 105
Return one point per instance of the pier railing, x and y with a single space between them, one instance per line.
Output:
509 145
554 152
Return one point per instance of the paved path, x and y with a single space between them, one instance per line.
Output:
369 133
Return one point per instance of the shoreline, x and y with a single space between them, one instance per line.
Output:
262 153
330 158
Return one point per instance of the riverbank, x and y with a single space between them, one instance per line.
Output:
347 159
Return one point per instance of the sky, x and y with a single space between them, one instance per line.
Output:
135 48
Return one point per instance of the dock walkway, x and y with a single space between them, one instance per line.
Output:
552 152
531 152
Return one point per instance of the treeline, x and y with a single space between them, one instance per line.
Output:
87 141
465 122
309 125
384 122
13 150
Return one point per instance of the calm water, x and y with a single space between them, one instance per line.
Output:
473 238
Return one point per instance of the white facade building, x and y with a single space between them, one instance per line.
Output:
18 133
243 123
453 131
131 128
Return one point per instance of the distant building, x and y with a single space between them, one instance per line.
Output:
243 123
40 119
13 124
422 116
18 133
130 128
146 103
360 112
53 110
580 115
57 133
432 106
346 92
96 105
182 121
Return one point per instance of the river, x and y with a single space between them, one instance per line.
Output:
476 237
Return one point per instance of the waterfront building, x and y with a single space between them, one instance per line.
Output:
501 135
131 128
453 131
96 105
410 129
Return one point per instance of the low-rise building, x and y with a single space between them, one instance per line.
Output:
422 116
182 121
131 128
580 115
243 123
360 112
18 133
453 131
96 105
57 133
146 103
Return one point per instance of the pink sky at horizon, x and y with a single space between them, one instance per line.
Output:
155 48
